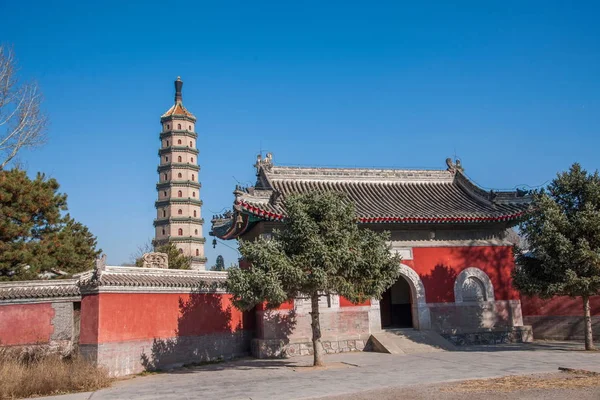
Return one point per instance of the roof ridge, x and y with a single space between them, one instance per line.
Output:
379 174
373 168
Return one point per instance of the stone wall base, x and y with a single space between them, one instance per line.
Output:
132 357
516 334
277 348
561 328
473 316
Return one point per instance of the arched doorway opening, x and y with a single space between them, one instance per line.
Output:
396 306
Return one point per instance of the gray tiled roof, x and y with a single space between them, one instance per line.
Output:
406 196
132 277
379 195
115 279
39 289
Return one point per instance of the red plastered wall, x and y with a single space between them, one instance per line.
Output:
344 302
88 330
132 316
288 305
22 324
560 306
438 268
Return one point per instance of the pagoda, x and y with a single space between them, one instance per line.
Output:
179 208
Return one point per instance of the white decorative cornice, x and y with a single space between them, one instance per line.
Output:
359 174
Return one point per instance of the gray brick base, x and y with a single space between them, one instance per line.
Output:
275 348
131 357
517 334
561 328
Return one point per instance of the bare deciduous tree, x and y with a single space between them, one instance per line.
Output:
22 122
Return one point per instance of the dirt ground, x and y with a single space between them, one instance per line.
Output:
575 385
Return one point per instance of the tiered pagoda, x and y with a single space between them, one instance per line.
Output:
179 208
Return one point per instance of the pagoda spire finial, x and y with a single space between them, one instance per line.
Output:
178 86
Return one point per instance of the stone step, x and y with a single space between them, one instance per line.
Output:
408 341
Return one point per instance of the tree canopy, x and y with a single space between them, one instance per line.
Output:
319 250
36 235
219 265
563 233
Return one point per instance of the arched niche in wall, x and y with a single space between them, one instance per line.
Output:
473 285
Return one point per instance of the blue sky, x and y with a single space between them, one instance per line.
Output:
512 89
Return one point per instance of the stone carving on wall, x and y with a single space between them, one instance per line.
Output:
473 284
155 260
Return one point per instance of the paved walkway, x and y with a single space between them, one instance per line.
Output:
346 373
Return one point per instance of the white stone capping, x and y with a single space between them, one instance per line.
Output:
42 283
478 274
358 174
450 243
37 300
165 272
150 290
403 251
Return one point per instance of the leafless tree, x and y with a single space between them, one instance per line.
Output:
147 247
22 122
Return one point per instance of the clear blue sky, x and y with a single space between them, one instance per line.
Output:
513 89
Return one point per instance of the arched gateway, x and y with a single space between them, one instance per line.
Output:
403 305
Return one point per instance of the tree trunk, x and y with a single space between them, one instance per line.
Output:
316 330
587 322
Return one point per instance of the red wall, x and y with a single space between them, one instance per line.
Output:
438 268
560 306
344 302
88 330
131 316
288 305
26 324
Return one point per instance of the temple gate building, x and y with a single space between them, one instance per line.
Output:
452 235
455 287
179 208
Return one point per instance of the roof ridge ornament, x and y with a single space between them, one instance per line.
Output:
178 87
264 163
454 166
101 263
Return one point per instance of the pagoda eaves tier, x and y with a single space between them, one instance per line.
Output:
381 196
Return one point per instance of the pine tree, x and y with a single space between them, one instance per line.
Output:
319 250
35 234
219 265
563 233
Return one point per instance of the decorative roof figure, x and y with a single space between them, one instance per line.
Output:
178 109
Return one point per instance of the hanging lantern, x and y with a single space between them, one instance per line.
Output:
214 243
239 220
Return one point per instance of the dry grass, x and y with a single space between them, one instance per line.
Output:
39 372
575 379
